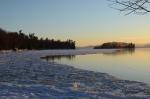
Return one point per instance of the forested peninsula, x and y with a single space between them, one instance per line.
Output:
20 40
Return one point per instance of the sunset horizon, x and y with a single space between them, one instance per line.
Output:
87 22
74 49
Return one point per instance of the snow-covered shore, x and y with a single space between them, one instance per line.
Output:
24 75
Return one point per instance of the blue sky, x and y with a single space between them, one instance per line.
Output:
89 22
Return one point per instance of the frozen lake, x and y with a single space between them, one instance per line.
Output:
125 64
25 75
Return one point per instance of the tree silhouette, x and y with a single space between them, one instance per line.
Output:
111 45
131 6
19 40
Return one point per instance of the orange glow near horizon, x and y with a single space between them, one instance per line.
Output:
90 42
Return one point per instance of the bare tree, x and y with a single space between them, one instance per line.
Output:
131 6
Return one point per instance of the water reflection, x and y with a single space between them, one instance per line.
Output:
128 64
121 52
52 58
55 58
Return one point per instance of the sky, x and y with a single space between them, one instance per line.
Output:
88 22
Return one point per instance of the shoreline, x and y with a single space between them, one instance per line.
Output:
28 76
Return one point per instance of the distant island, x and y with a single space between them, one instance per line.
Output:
20 40
111 45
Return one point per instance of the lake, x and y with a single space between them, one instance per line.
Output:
125 64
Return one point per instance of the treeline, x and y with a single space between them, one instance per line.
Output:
19 40
111 45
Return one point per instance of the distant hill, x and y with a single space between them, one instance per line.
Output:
86 47
147 45
111 45
143 46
